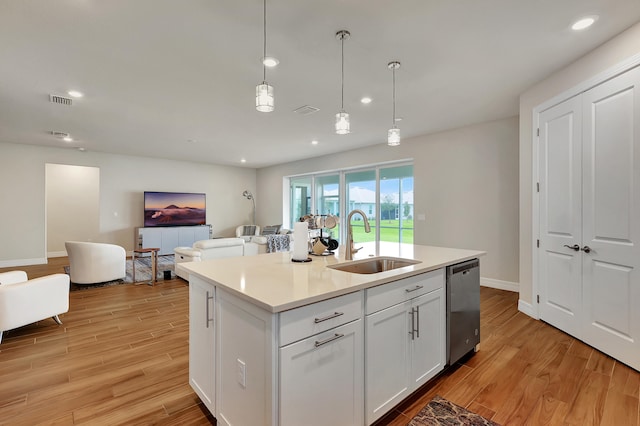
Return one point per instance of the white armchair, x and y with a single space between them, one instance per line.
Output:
24 301
91 263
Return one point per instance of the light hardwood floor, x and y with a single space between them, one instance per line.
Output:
121 357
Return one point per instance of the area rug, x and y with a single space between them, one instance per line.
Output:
440 412
143 272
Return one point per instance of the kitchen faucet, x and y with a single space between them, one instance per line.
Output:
350 248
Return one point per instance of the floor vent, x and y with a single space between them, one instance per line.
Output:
306 110
61 100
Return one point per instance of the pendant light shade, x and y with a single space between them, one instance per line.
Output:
264 97
265 101
342 123
393 135
343 126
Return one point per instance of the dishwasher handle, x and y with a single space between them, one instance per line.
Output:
463 267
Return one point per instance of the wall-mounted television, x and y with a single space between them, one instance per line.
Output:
174 209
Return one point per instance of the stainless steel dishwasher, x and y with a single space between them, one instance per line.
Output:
463 309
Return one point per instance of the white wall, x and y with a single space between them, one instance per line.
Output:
73 205
466 184
123 179
606 56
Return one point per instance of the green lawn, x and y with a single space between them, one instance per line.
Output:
388 231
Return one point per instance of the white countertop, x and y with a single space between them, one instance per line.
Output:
274 283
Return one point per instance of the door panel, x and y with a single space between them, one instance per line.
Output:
560 158
611 215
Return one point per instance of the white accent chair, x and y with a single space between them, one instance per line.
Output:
91 263
254 242
24 301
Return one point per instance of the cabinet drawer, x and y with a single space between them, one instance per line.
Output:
306 321
386 295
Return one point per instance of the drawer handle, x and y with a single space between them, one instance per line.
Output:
207 310
328 317
330 339
409 290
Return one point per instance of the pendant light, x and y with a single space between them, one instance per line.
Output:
393 136
264 92
343 126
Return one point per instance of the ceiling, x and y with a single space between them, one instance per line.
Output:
176 79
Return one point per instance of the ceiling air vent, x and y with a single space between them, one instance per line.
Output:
306 110
61 100
60 135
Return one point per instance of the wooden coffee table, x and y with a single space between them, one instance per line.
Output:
154 262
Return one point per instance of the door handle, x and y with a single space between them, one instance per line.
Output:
586 249
574 247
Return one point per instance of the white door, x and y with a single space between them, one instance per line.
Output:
427 343
611 217
387 366
321 379
202 341
560 258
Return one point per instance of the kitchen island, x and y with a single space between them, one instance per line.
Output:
273 342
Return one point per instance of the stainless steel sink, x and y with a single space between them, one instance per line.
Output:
373 265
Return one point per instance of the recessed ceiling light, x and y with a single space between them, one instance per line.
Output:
242 160
270 61
398 118
67 139
81 149
366 100
75 93
584 23
314 142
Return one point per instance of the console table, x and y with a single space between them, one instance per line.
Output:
167 238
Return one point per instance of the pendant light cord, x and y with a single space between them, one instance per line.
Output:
394 96
264 47
342 92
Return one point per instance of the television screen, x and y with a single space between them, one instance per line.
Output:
174 209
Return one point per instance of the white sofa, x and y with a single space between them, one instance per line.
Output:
256 243
207 249
24 301
91 263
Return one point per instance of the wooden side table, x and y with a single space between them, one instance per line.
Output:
154 262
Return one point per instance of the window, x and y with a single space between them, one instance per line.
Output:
383 193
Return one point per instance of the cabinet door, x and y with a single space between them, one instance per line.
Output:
387 362
611 217
560 174
321 379
170 240
202 341
428 350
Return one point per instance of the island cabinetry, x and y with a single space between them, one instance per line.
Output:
404 339
202 340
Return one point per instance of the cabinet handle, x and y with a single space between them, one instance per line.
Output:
207 310
586 249
418 322
409 290
328 317
413 324
330 339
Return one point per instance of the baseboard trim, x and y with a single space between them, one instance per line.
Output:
56 254
527 309
23 262
500 285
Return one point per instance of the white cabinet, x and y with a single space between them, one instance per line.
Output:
202 341
405 342
321 378
169 237
589 208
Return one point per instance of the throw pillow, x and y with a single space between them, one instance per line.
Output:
249 230
271 229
